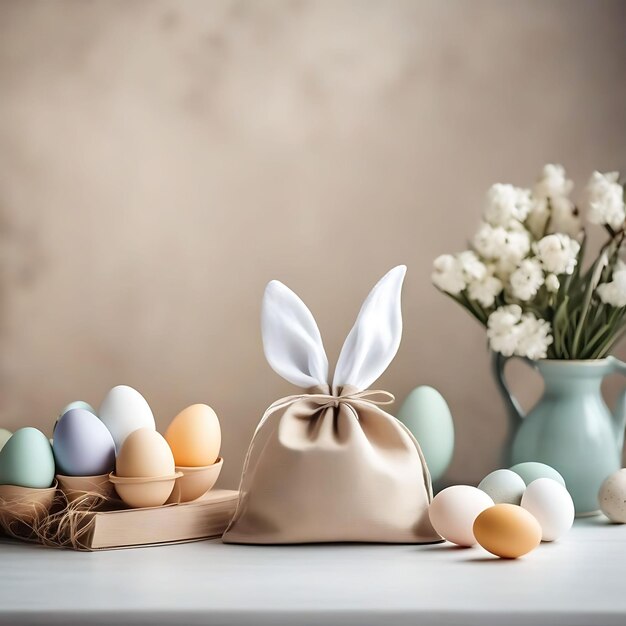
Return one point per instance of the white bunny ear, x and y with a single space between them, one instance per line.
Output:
375 336
291 339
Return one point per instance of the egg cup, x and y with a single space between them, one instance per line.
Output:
75 487
195 481
139 493
24 505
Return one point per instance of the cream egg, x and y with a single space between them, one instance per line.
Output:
453 511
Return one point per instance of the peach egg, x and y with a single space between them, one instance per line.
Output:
195 436
507 530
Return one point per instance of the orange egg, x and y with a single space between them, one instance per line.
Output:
507 530
144 454
195 436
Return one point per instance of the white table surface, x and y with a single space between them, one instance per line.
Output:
579 580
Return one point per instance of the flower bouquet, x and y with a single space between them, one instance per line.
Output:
525 280
524 276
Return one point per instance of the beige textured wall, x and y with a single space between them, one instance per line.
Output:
161 161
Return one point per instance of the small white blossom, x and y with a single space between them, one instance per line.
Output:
485 290
552 283
533 337
561 213
606 200
526 280
490 242
501 330
557 253
614 292
553 182
510 333
506 204
552 210
471 266
448 275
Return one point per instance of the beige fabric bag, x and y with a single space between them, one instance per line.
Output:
329 464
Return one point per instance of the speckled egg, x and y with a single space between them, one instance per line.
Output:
612 497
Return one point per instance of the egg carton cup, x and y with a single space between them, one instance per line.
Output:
24 505
195 482
143 492
90 490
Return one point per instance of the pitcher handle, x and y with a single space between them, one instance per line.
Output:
514 409
619 415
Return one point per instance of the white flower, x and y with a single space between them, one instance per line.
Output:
553 182
606 200
471 266
526 280
614 292
552 283
506 204
490 242
557 253
510 333
485 290
448 275
501 329
533 337
561 213
552 210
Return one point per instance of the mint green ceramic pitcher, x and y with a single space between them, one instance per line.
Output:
571 427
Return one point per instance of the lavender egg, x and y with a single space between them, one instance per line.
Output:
82 445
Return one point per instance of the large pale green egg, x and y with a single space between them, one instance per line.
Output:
4 436
427 415
26 460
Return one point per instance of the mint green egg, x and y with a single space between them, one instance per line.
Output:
5 435
532 470
427 415
26 460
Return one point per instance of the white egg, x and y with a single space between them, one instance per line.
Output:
552 506
612 497
454 510
503 486
123 411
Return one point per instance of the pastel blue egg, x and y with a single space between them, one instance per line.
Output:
26 460
77 404
427 415
82 445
